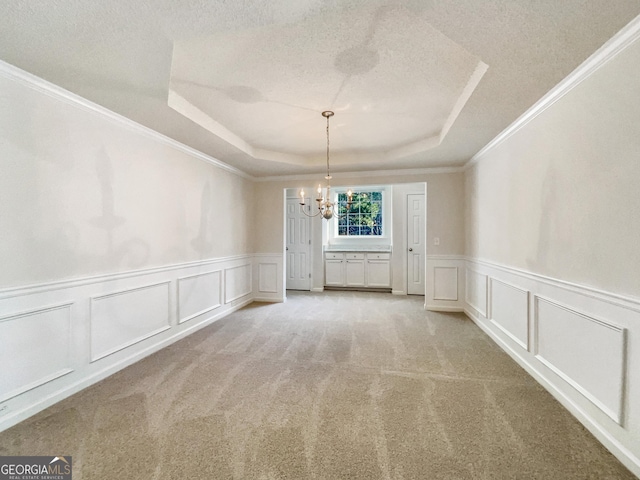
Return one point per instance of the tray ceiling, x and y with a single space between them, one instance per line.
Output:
413 83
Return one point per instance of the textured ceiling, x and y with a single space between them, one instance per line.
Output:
413 83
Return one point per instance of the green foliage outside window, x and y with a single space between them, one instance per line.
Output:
364 218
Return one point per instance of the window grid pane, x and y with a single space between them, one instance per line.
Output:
364 218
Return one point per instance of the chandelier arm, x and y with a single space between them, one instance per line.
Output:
310 216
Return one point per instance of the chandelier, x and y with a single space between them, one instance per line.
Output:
326 207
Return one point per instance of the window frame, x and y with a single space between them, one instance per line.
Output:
384 239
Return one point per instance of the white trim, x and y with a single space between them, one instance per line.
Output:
445 267
34 311
77 282
95 357
268 300
631 303
615 416
440 308
201 312
446 257
621 40
226 286
466 291
54 375
365 174
493 280
36 83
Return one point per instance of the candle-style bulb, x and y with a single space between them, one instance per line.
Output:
319 189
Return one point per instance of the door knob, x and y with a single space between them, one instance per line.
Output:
411 249
287 249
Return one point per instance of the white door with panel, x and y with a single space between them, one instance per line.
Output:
298 247
416 244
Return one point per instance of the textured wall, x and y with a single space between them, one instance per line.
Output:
560 196
82 194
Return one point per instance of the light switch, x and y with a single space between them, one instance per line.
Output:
436 240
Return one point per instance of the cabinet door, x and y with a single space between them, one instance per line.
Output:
355 273
378 273
334 272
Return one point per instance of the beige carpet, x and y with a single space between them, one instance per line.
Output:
338 385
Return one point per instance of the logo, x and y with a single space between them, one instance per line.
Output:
35 468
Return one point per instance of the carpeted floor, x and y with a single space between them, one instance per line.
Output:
338 385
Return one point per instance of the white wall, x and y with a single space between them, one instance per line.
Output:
114 242
553 222
81 194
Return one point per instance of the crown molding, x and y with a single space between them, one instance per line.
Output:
616 44
43 86
365 174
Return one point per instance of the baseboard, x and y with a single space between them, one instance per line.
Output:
268 300
317 289
359 289
398 292
439 308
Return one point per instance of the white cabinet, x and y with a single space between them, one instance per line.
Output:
357 269
378 270
334 269
354 270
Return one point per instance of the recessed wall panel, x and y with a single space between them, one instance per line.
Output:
123 318
476 291
445 283
586 352
237 282
268 277
510 311
198 294
34 349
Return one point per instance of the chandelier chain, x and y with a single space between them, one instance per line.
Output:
328 173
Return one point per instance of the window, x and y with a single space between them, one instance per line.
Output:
364 218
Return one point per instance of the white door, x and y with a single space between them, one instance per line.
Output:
416 243
298 246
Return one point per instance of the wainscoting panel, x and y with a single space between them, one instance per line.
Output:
34 349
510 310
584 346
587 353
237 282
60 337
445 283
199 294
121 319
476 291
268 277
